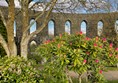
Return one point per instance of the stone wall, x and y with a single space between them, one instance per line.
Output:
59 19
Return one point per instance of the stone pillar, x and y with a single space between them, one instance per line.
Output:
75 24
43 35
60 25
91 29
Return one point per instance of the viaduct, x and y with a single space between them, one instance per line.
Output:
91 20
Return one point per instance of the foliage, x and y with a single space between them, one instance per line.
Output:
17 70
80 54
32 55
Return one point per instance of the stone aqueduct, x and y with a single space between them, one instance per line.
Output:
108 19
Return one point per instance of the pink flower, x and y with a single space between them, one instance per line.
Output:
60 35
58 45
100 71
48 41
77 33
87 38
96 38
111 45
117 56
110 55
87 53
96 61
84 62
52 40
101 46
104 39
95 45
116 49
70 43
80 33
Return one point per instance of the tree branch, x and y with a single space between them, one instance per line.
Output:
45 20
4 44
2 18
40 15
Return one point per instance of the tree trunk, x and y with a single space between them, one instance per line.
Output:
25 23
10 28
24 49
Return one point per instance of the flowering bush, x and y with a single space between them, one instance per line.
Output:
80 54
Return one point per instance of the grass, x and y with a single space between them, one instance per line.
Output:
113 81
112 68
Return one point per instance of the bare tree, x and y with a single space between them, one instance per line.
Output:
48 6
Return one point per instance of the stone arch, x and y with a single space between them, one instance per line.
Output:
83 27
116 26
68 26
100 26
34 26
32 47
33 43
51 28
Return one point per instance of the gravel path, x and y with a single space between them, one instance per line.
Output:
109 75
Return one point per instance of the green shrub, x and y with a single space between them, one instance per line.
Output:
18 70
80 54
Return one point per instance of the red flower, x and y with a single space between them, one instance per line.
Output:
84 62
80 33
100 71
110 45
95 45
96 61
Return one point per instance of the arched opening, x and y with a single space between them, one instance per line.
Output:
32 47
33 27
51 26
33 43
116 26
14 28
99 28
83 27
68 27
